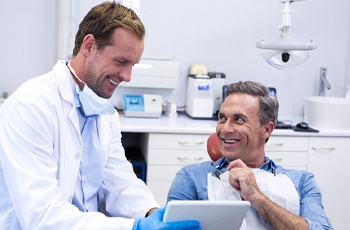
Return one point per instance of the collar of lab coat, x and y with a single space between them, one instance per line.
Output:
70 149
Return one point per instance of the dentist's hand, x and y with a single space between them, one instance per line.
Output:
155 221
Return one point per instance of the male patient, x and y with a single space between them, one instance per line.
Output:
280 198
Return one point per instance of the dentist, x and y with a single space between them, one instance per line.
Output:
62 163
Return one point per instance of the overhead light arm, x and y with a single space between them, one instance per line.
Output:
285 46
286 18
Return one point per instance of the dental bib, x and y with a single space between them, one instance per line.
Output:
91 103
279 189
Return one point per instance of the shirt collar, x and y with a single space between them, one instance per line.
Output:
222 164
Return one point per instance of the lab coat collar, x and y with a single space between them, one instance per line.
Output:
63 77
69 165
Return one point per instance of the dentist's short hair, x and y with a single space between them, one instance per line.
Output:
103 19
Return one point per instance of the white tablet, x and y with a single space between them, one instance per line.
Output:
211 214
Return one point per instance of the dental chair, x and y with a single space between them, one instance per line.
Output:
213 147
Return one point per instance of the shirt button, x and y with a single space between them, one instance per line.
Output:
85 150
85 179
77 156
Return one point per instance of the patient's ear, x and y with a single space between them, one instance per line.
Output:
268 128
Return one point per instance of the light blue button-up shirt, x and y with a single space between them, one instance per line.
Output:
190 183
90 173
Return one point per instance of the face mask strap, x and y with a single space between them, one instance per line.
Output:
73 72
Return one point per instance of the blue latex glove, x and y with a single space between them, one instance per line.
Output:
155 221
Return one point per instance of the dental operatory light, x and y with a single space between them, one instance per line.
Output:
285 52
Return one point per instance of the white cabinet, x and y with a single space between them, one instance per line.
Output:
329 159
167 154
289 152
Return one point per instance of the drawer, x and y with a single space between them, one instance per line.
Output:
159 173
178 141
327 144
176 157
290 144
289 160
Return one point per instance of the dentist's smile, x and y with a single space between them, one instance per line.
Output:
112 81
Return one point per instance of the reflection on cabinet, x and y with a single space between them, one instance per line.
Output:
329 160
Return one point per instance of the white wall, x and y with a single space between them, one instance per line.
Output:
28 40
220 34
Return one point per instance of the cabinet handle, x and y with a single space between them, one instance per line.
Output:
271 145
277 159
187 159
190 142
323 149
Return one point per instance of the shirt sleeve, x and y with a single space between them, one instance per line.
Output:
182 187
311 207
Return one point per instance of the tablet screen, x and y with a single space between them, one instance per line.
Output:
211 214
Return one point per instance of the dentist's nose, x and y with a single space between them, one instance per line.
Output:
126 74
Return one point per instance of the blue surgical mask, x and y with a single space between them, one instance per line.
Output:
91 103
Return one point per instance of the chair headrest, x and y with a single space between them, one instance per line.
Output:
213 147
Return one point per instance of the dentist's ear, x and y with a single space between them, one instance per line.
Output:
88 44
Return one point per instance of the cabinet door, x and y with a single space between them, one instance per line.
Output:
167 154
287 143
329 159
289 160
161 178
176 157
178 141
289 152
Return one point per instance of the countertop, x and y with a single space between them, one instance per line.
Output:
183 124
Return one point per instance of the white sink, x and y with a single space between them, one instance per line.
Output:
327 112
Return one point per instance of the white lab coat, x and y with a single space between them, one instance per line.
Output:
40 153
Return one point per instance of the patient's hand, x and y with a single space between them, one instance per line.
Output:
242 179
